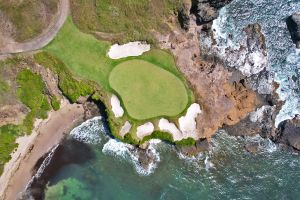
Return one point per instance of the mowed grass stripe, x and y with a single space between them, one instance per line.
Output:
148 91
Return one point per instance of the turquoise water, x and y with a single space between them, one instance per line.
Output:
229 173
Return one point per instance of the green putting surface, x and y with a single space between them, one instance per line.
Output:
148 91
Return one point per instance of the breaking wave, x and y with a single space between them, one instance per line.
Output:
283 57
89 131
137 157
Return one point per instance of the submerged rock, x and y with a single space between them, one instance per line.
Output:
251 147
293 24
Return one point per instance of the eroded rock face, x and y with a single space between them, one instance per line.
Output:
207 10
293 24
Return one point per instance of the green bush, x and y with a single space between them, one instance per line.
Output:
31 92
164 136
55 103
8 135
186 142
70 87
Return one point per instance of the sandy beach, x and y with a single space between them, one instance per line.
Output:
45 135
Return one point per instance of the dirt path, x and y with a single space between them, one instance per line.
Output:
46 37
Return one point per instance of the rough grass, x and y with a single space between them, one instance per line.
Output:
8 135
32 93
86 57
134 19
147 91
70 87
29 17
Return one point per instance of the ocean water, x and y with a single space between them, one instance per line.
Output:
283 59
227 171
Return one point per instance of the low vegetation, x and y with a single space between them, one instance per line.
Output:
129 19
148 91
8 135
32 93
70 87
29 18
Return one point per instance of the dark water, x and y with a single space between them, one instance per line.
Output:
113 172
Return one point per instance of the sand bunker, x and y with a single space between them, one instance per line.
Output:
125 129
144 130
187 123
165 125
116 106
130 49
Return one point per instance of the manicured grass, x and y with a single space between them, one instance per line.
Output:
147 91
134 19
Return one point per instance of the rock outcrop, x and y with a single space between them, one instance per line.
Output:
293 24
207 10
290 132
222 101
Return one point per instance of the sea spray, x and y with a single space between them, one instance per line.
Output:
283 58
127 152
89 131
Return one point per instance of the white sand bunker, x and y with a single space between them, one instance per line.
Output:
144 130
187 123
125 129
130 49
165 125
116 106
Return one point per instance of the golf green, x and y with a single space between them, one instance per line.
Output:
148 91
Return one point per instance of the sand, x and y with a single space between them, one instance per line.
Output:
169 127
125 129
116 106
46 134
130 49
144 130
187 123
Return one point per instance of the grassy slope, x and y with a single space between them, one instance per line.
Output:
148 91
133 18
26 16
32 93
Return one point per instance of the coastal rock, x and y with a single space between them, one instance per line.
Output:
206 11
260 122
222 101
293 24
290 132
200 146
184 15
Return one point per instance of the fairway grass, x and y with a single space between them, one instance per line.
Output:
148 91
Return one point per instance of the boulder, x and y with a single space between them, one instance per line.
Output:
184 15
293 24
290 132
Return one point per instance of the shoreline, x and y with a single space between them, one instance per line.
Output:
31 148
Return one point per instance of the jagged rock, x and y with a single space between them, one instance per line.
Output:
260 122
207 10
290 132
200 146
184 14
293 24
